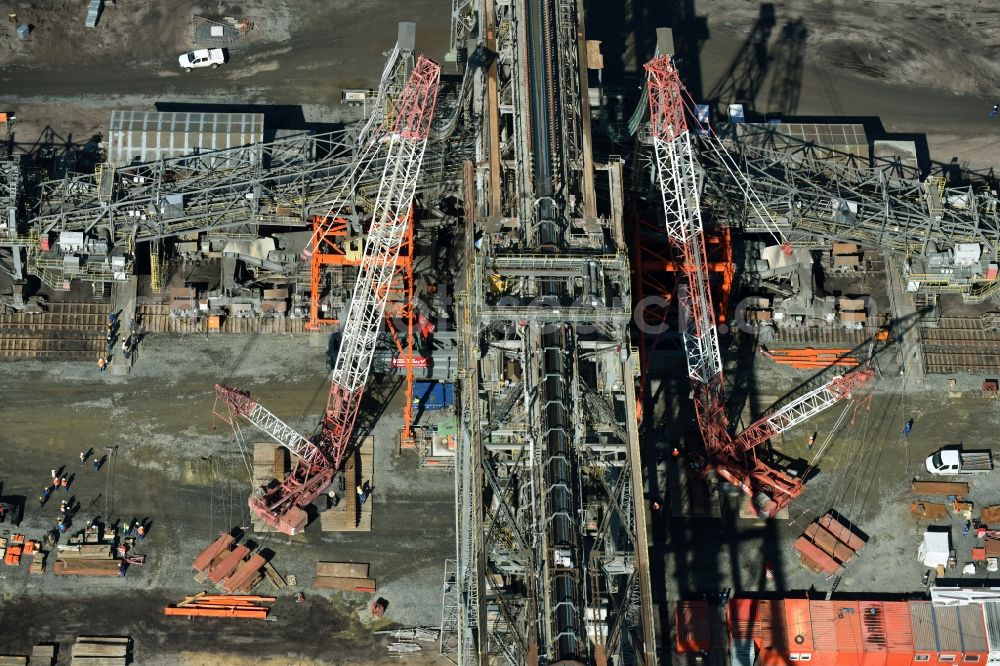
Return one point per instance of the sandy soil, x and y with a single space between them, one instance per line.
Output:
952 44
918 67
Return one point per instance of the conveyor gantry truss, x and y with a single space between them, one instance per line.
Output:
551 563
229 193
814 192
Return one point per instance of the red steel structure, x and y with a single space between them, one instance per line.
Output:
732 458
846 631
318 458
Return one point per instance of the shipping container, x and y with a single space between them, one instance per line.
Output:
433 395
693 631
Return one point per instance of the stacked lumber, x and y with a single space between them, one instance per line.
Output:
929 510
101 651
280 463
274 577
86 559
990 515
37 562
827 544
348 516
43 654
12 660
809 358
86 567
270 463
264 457
214 605
343 576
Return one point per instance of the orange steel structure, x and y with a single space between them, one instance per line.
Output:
657 274
327 249
329 234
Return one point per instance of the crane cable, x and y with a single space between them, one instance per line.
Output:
724 158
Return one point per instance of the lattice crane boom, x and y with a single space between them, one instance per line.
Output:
675 166
240 403
403 145
732 457
802 409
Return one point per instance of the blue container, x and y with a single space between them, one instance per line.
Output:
23 31
433 396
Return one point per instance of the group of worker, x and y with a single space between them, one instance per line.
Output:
129 343
57 483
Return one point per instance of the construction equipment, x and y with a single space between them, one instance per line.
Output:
379 607
732 458
318 458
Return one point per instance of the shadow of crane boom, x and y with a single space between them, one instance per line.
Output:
786 70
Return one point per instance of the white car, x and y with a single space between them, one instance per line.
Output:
202 58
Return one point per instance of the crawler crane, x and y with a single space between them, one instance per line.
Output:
318 458
733 458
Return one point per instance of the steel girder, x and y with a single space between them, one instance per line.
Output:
817 195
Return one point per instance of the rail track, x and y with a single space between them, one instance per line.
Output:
76 331
959 344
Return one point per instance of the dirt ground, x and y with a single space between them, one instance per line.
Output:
296 60
191 482
932 69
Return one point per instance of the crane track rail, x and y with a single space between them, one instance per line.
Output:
960 344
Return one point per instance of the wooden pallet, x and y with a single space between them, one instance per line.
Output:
346 516
342 569
344 584
956 488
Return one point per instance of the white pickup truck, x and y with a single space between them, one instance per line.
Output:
202 58
953 460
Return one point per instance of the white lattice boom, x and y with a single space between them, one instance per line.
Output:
675 166
802 408
242 404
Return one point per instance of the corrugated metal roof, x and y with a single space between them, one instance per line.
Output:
991 614
824 632
970 618
851 627
924 630
153 135
771 620
693 632
898 631
742 617
796 626
874 632
948 632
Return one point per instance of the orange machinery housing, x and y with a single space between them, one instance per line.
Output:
830 633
